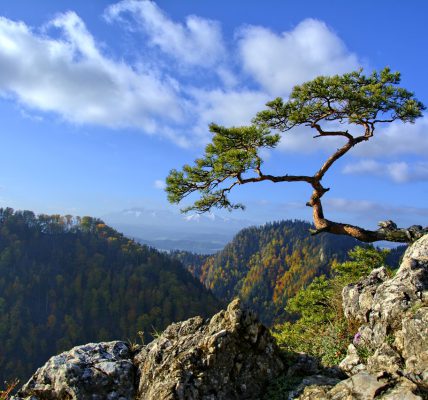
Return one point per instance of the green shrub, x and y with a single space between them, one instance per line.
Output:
320 328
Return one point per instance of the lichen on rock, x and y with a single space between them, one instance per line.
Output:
95 371
231 356
389 357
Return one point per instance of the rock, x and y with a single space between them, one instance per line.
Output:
396 326
358 298
313 387
231 356
403 390
96 371
360 386
352 363
412 342
387 224
388 358
363 386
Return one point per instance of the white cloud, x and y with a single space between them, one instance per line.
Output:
226 107
160 184
362 167
397 138
70 76
197 42
389 140
400 172
371 210
280 61
67 73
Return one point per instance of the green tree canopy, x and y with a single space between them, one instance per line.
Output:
233 158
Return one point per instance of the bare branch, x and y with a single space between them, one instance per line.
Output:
330 133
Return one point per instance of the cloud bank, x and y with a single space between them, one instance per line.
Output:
280 61
399 172
197 41
72 78
64 70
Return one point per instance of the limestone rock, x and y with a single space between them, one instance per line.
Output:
313 387
352 363
363 386
360 386
231 356
358 298
388 358
395 324
403 390
95 371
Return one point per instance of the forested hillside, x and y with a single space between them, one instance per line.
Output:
267 265
66 281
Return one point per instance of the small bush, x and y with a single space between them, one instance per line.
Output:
321 329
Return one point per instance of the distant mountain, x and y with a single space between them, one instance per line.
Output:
192 246
266 265
166 230
66 281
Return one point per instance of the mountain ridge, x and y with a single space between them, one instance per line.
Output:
65 280
266 265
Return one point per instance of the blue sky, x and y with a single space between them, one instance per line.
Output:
99 100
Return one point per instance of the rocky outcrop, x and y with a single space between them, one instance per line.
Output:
394 333
96 371
388 358
231 356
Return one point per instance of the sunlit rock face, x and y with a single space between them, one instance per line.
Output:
388 358
92 371
230 356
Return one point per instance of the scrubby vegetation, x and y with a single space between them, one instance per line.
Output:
319 327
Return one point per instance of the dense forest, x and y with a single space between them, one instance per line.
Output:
267 265
66 281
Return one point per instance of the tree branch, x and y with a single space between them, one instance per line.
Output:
276 179
388 229
330 133
333 158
